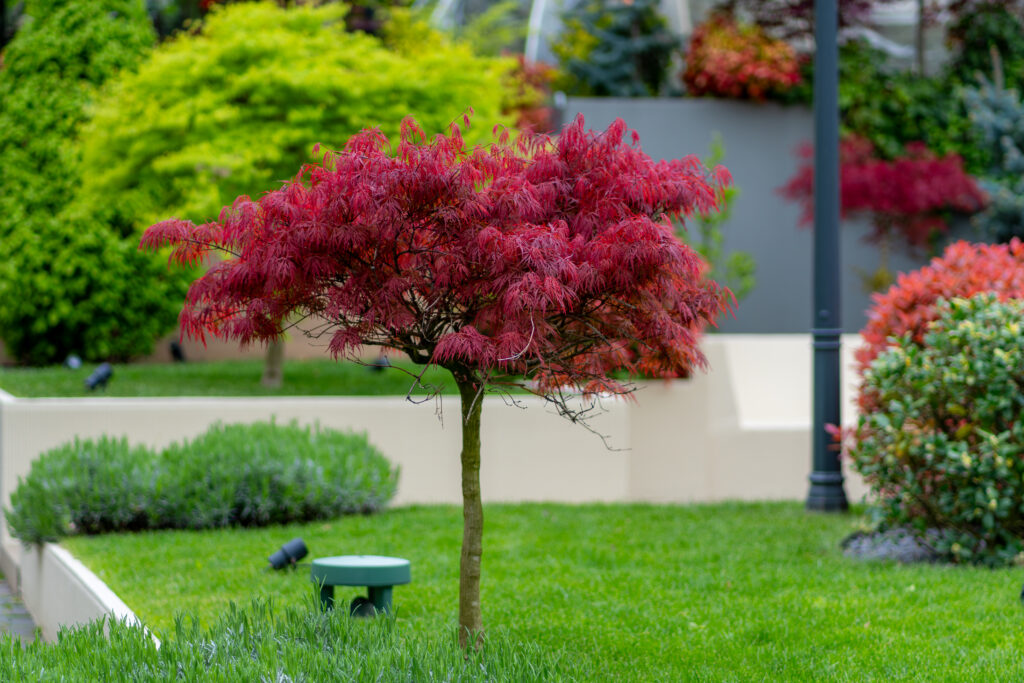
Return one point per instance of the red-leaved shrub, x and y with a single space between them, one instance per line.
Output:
963 270
911 195
727 59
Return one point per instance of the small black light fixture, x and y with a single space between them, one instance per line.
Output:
289 554
177 353
99 377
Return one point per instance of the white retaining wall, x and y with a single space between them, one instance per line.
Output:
740 431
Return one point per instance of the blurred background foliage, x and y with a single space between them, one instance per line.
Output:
118 114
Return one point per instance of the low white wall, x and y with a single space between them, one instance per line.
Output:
740 431
59 591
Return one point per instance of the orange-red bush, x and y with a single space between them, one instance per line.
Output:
727 59
963 270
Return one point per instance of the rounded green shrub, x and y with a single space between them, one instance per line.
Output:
69 286
231 475
264 473
945 450
86 486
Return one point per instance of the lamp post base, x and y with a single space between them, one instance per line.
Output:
827 494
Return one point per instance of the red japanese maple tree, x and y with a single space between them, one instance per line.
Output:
549 260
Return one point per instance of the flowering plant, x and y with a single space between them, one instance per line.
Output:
728 59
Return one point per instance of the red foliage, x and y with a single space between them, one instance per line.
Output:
548 259
963 270
725 59
910 195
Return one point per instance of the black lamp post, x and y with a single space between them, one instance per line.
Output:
826 492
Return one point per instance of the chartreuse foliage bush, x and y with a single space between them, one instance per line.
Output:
261 643
944 450
236 108
232 475
66 282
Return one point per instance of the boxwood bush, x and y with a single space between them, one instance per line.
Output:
232 475
945 448
261 644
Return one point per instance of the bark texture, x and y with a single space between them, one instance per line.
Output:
470 619
273 365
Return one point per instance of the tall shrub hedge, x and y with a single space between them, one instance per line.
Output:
67 283
231 475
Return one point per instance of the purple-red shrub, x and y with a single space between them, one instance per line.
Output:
910 196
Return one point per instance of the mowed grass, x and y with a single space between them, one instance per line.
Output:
226 378
725 592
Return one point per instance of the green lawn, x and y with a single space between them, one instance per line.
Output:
223 378
626 592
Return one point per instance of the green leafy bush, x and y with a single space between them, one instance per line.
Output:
66 283
893 108
261 643
944 451
68 286
236 108
51 70
234 475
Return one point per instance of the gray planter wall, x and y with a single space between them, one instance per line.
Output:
760 143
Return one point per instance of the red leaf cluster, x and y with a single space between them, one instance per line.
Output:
726 59
552 259
911 195
963 270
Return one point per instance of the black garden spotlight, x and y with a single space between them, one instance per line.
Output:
289 554
99 377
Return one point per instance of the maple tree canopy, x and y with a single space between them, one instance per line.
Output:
549 258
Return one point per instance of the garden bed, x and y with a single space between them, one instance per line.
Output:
617 592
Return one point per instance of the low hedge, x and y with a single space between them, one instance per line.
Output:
257 644
231 475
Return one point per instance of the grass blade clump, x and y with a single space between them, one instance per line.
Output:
261 644
232 475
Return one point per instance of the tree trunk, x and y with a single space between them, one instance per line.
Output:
273 365
470 619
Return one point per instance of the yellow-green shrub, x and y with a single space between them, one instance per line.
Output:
237 107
